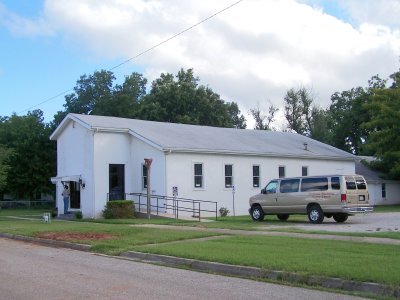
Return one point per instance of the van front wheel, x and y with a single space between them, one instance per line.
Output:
340 218
315 214
257 214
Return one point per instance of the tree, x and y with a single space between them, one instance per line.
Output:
263 121
180 99
4 166
384 140
96 94
347 114
301 113
33 156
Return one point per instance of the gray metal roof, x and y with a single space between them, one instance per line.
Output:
206 139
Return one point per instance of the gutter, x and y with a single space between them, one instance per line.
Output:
262 154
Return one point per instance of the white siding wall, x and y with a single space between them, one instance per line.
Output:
392 193
110 148
74 157
140 151
180 173
122 148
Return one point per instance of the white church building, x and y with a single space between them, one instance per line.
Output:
102 158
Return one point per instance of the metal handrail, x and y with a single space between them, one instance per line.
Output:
178 205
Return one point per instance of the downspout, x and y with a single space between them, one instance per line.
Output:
93 177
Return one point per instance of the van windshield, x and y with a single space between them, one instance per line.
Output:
271 187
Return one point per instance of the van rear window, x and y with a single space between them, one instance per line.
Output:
350 183
314 184
289 185
361 185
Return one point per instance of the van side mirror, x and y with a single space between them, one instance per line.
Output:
263 191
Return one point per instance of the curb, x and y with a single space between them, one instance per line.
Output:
45 242
310 280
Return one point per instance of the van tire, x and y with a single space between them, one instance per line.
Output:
340 218
257 214
283 217
315 214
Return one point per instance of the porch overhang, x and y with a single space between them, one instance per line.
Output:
57 179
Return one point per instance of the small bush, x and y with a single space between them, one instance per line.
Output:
54 212
119 209
78 215
223 211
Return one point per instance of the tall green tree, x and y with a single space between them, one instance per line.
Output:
384 140
4 166
96 94
180 99
33 156
347 114
303 116
263 121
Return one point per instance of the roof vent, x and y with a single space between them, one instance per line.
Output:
305 146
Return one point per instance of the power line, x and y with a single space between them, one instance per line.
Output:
144 52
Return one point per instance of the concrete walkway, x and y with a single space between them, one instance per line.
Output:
275 233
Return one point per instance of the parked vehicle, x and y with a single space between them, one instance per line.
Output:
337 196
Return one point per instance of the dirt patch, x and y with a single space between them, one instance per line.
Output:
73 236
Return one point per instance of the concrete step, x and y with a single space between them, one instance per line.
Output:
68 216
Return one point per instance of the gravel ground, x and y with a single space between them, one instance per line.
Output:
372 222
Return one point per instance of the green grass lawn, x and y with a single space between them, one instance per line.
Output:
348 260
387 208
23 212
126 237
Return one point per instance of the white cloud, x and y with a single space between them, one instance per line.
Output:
252 52
377 12
21 26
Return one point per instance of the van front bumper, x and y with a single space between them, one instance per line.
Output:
358 209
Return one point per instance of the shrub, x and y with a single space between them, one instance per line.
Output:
54 212
223 211
78 215
119 209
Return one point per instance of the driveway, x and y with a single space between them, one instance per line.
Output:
372 222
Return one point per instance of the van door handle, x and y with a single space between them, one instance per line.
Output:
276 199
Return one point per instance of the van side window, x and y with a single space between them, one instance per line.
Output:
350 183
271 187
314 184
335 183
290 185
361 185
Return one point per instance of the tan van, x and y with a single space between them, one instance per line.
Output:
336 196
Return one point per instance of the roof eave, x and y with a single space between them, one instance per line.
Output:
264 154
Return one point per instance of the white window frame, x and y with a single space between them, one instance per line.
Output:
231 176
304 168
284 171
256 176
144 178
201 176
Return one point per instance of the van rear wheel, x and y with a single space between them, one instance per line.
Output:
257 214
315 214
340 218
283 217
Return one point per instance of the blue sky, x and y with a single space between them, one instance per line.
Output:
251 54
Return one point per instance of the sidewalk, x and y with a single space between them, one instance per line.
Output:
276 233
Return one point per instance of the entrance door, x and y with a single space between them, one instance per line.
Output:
75 195
116 182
